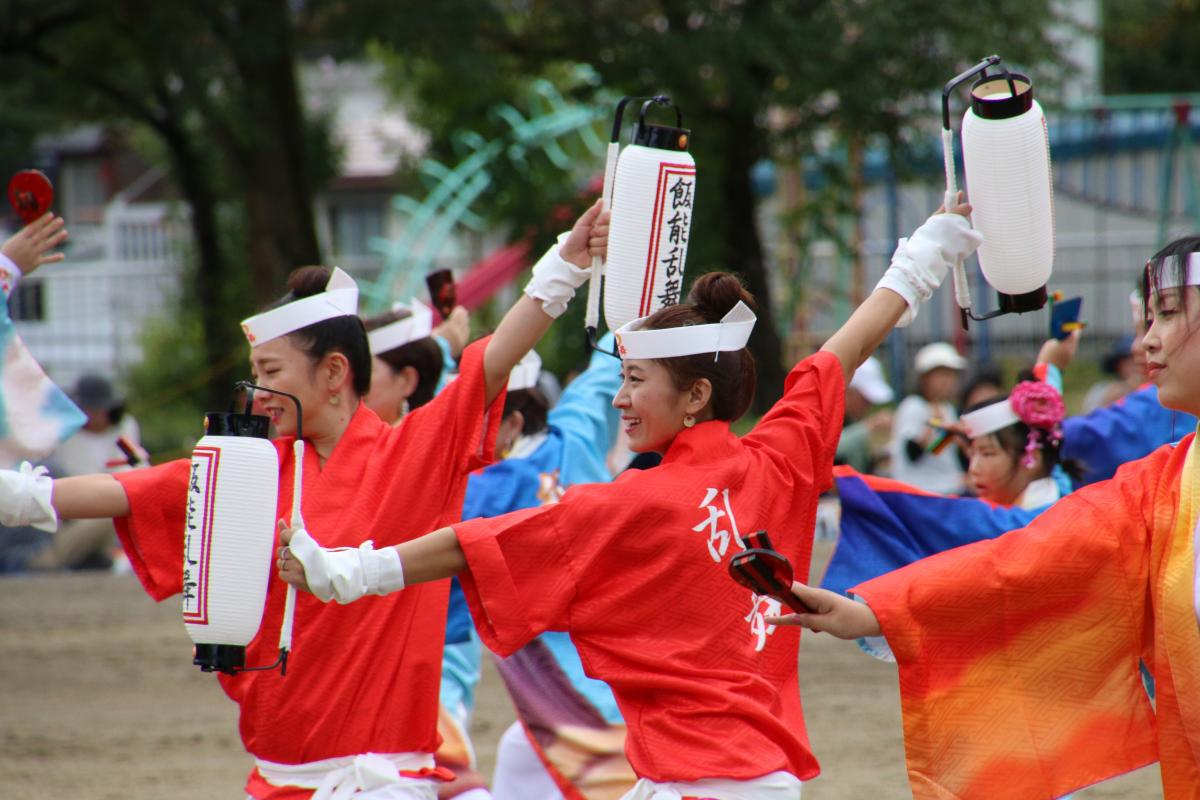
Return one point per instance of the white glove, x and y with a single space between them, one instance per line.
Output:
347 573
25 498
555 280
921 261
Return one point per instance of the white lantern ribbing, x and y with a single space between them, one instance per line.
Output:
650 190
229 538
1006 157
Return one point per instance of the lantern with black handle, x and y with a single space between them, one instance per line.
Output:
229 539
649 186
1006 157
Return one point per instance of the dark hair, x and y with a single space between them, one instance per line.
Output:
1168 265
732 374
343 334
532 404
423 355
984 375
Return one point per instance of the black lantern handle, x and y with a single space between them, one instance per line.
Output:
659 99
954 82
253 387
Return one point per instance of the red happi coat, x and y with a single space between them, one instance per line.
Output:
363 677
637 572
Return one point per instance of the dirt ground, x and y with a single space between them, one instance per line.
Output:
101 702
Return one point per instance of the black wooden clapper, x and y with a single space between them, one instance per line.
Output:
766 571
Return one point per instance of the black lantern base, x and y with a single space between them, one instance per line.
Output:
220 657
1021 303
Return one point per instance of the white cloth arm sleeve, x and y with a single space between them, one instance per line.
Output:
555 280
921 261
25 498
347 574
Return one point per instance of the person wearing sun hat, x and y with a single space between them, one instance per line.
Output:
916 458
866 424
96 447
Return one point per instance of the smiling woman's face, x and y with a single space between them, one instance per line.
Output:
652 409
280 365
1172 351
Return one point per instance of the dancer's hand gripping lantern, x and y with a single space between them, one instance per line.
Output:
649 186
229 540
1006 157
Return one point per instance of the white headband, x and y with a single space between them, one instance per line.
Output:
1191 274
417 325
731 333
989 419
340 299
525 374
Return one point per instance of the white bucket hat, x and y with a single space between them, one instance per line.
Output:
938 354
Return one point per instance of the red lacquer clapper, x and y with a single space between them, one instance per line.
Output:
30 193
442 291
765 571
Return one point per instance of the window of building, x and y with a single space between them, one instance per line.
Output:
353 226
27 303
84 189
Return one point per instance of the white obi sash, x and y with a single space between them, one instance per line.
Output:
775 786
349 776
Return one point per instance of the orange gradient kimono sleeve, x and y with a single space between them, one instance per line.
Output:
1019 656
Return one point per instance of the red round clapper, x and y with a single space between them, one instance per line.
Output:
30 193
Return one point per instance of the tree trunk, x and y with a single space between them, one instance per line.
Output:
213 285
275 178
742 250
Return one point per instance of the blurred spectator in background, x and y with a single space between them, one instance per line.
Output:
985 383
1126 375
922 453
866 432
97 447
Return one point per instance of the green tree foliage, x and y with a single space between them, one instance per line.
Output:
755 78
1150 46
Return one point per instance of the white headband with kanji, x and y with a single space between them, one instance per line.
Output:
417 325
1191 276
340 299
731 333
526 373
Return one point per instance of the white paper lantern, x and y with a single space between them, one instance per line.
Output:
1006 154
651 194
229 539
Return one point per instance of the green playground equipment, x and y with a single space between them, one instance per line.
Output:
551 127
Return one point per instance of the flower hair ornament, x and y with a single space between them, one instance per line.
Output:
1037 404
1040 407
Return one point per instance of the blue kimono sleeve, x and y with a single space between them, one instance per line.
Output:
1132 428
586 419
887 525
449 365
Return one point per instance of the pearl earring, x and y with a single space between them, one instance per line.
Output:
334 399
